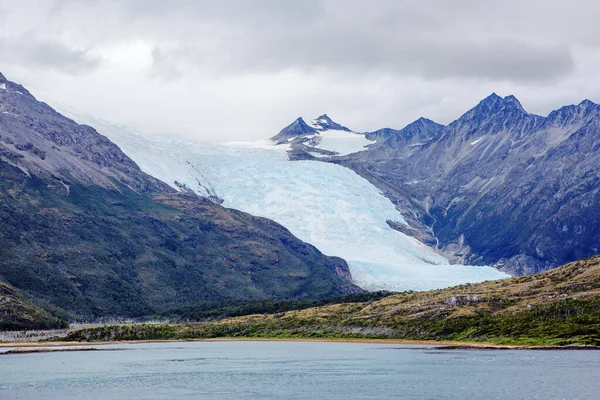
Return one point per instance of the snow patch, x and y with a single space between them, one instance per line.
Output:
313 123
259 144
3 86
317 155
476 141
341 142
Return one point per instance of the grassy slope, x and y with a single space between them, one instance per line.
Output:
18 313
558 307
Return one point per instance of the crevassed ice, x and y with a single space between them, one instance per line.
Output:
324 204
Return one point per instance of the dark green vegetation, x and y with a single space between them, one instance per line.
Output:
102 252
18 313
559 307
236 308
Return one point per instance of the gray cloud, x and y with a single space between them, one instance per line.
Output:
36 53
370 64
261 37
495 60
434 39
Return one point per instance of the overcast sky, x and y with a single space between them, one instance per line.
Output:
242 69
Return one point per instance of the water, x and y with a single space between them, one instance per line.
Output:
298 370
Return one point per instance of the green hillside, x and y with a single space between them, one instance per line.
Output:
16 313
101 252
559 307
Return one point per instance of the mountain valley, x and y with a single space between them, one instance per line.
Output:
324 204
84 233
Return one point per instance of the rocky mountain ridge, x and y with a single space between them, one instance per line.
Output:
497 186
40 141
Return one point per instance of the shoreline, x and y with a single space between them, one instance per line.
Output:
439 345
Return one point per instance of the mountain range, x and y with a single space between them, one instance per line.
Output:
324 204
498 186
121 224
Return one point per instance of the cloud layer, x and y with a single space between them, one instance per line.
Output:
231 70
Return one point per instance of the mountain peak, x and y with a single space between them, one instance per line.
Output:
574 113
496 114
512 100
487 105
494 104
301 127
587 104
419 132
325 123
426 121
491 99
297 128
2 78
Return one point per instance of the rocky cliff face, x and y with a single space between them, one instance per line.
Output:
497 186
84 232
40 141
515 189
412 136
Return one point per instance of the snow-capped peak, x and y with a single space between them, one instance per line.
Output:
321 137
298 128
324 123
308 127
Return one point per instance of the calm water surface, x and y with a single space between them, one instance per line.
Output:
298 370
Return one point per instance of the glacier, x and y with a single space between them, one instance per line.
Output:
324 204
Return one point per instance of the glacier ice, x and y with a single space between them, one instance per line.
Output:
324 204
